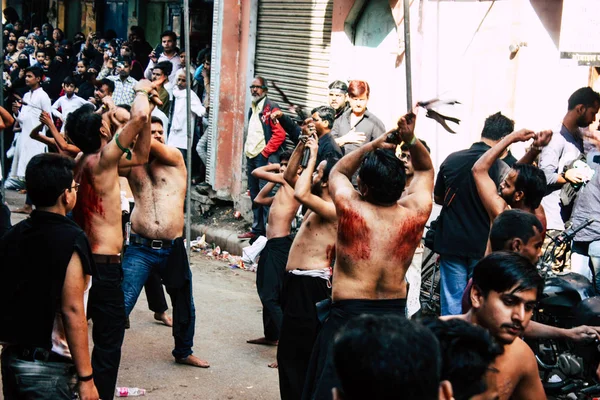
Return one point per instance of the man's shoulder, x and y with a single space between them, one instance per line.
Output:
270 103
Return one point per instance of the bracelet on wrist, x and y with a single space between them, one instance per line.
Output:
85 378
412 141
138 91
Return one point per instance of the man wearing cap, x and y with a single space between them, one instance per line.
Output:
337 97
263 142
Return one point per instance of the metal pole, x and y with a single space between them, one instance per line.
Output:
2 152
190 133
407 61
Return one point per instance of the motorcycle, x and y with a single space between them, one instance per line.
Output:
567 369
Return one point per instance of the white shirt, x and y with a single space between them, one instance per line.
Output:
67 105
177 131
29 118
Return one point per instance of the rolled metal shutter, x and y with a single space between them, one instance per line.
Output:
215 85
293 48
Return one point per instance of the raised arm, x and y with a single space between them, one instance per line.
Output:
541 140
270 173
75 323
303 193
290 175
140 117
167 155
35 135
419 193
486 187
264 197
58 139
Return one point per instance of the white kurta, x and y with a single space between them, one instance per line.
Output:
177 132
29 118
67 106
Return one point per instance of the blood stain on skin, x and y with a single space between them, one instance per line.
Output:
88 201
408 238
330 252
354 234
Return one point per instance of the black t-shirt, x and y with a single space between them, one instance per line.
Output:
328 148
35 254
464 225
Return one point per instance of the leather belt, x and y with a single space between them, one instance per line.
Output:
38 354
107 258
155 244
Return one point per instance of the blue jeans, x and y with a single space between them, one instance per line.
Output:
594 254
455 272
138 262
36 380
260 213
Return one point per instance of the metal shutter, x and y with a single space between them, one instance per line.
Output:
293 49
215 83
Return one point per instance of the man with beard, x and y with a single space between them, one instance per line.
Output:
524 186
337 97
377 235
124 92
157 221
263 141
565 147
98 212
506 287
308 271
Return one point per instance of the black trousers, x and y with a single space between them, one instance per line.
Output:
321 376
299 330
155 293
106 308
269 282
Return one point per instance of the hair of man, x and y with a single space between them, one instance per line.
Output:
585 96
156 120
467 352
165 66
532 182
497 126
47 176
406 147
110 84
331 161
263 82
36 71
505 270
512 224
83 126
384 357
339 85
326 113
358 88
383 174
169 34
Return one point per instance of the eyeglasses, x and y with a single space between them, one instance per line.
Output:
75 187
256 87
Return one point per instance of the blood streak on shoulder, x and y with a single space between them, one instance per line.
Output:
408 237
354 234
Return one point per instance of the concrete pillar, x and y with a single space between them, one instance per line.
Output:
229 123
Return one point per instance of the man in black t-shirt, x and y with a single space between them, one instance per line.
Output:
44 276
464 224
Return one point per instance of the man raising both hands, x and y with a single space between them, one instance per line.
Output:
377 236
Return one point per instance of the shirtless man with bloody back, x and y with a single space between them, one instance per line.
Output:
377 236
98 212
308 271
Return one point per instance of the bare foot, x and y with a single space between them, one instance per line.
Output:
264 341
193 361
274 365
26 209
164 318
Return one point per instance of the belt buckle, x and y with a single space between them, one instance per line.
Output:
156 244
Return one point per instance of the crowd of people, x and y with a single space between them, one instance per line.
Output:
337 294
44 71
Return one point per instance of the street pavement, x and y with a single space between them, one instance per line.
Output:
228 312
